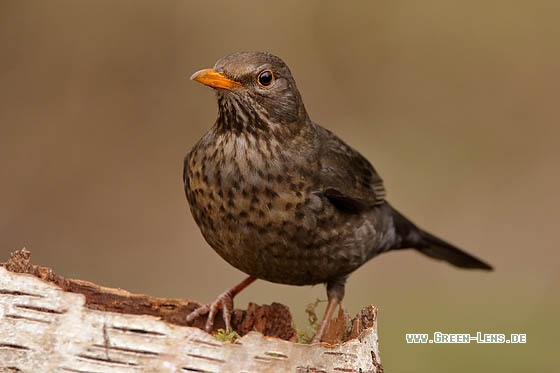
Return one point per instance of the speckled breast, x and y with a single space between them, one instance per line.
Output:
258 209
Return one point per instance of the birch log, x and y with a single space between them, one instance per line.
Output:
52 324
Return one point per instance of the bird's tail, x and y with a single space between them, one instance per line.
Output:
413 237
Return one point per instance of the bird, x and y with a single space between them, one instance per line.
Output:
284 199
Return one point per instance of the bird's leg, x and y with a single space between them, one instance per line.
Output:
335 293
224 302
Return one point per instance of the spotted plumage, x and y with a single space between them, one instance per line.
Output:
283 199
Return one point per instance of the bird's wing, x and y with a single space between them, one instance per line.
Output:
347 179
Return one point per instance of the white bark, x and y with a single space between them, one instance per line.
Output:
44 329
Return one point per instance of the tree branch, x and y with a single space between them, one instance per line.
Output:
52 324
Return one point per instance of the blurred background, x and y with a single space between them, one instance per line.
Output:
455 103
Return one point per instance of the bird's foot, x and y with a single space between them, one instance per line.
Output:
335 293
224 302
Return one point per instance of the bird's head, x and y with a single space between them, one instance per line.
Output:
255 90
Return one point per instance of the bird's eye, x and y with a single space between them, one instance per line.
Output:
265 78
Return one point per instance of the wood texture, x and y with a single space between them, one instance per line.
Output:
47 325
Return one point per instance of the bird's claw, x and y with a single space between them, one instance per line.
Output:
224 302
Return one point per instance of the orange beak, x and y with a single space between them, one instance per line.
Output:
214 79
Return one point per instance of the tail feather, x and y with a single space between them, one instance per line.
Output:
413 237
439 249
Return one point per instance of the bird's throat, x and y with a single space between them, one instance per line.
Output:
235 117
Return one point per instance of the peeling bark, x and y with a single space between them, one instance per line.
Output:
52 324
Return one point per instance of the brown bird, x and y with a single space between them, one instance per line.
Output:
283 199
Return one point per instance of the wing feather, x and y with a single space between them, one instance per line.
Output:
349 181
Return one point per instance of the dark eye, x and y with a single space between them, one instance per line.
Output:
265 78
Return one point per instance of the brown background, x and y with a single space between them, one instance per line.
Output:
456 104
